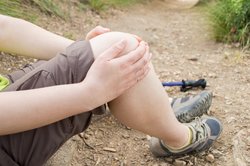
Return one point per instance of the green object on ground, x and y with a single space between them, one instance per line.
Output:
4 82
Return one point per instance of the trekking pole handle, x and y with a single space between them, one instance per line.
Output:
189 84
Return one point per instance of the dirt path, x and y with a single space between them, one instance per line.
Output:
182 49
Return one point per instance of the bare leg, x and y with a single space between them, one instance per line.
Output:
146 106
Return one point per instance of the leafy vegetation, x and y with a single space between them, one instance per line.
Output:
231 21
27 9
16 8
99 5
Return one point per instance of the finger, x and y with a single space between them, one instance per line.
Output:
135 80
100 30
144 74
138 76
97 31
141 63
115 50
138 38
133 56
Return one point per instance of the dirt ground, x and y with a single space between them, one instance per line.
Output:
182 46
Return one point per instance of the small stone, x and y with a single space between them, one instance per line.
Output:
230 119
148 137
193 59
212 75
81 135
109 149
169 160
125 136
164 164
210 158
86 136
190 163
156 37
195 160
217 153
179 163
128 128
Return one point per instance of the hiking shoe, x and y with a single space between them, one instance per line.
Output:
205 131
187 108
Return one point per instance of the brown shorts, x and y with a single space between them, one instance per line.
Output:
35 147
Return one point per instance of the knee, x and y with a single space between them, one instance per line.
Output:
102 42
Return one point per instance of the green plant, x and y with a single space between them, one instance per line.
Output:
122 2
48 7
97 5
16 8
26 9
231 21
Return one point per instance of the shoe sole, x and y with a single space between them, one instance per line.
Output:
197 109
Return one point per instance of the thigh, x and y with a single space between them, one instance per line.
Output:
34 147
70 66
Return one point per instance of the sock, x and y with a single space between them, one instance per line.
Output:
189 141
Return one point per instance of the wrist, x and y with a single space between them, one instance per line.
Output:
89 98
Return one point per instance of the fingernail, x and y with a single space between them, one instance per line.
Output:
138 38
142 43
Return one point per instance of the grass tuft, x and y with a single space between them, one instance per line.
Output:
25 8
100 5
231 21
17 8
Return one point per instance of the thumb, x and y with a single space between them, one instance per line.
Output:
115 50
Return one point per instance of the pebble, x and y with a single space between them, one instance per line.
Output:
86 136
81 135
210 158
230 119
125 136
109 149
169 160
217 153
179 163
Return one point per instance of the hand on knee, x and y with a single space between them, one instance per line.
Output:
112 74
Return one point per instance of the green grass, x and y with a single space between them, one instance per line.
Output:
28 9
123 2
231 21
100 5
48 7
16 8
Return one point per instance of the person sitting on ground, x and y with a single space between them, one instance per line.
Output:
45 104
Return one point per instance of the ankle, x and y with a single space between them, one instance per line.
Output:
180 142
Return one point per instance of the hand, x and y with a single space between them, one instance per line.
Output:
112 73
98 30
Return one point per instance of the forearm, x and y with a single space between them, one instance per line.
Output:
24 110
21 37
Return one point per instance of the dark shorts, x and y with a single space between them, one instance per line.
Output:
35 147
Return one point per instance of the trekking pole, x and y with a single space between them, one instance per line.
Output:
187 85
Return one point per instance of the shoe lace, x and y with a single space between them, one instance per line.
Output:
200 129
